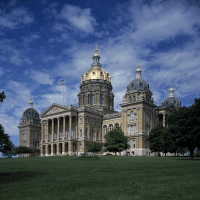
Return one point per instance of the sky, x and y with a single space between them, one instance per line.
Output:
43 42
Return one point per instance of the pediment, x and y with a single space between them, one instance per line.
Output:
53 109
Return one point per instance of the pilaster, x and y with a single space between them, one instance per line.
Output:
64 129
58 121
70 126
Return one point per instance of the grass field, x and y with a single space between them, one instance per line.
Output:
111 177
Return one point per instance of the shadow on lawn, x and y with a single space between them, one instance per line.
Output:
188 159
18 176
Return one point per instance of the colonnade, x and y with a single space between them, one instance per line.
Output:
63 130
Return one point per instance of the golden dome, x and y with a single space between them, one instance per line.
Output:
96 73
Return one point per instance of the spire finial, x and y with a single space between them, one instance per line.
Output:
171 91
31 103
138 71
96 56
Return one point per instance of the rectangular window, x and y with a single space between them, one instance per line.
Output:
147 129
132 129
86 100
86 132
147 118
93 99
128 129
133 144
101 99
80 132
132 116
80 120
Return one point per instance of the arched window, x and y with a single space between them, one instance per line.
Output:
80 132
105 129
110 127
130 99
74 147
141 86
116 125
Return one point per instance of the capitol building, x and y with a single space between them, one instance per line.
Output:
67 130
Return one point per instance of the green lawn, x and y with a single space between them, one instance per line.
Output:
111 177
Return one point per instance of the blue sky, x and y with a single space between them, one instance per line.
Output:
43 42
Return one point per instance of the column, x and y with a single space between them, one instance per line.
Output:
46 148
42 131
52 149
83 126
53 135
100 131
88 136
69 147
63 148
58 149
48 129
95 131
58 134
20 138
164 120
41 150
76 124
28 137
64 131
47 133
70 126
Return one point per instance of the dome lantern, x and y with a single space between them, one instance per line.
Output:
96 59
31 103
171 91
138 72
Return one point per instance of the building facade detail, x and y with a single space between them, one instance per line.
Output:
67 130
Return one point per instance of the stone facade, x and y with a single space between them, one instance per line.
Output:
67 130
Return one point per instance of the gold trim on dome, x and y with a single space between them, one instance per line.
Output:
96 73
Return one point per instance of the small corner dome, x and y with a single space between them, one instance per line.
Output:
30 113
138 83
172 100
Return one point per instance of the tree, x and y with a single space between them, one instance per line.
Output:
93 147
5 143
115 141
155 138
22 149
2 96
161 140
10 152
185 125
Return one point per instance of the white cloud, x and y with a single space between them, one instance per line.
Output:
79 18
31 38
40 77
16 17
12 54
